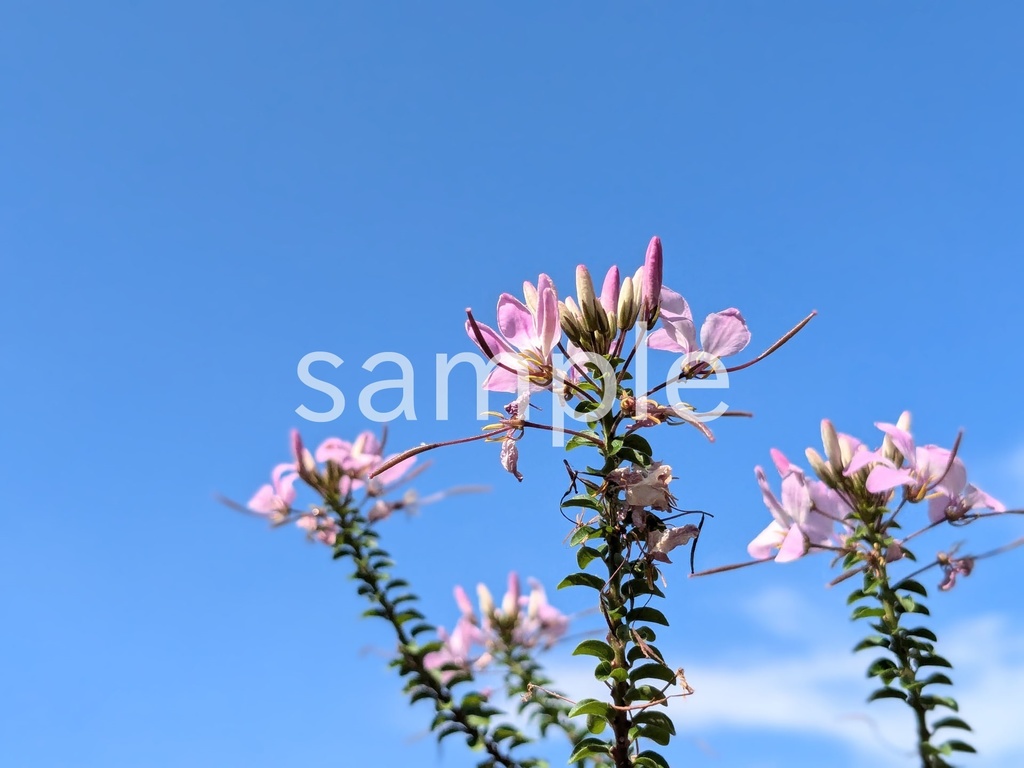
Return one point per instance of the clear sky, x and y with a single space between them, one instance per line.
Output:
195 195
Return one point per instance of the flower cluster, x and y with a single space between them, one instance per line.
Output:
520 621
815 515
530 330
346 469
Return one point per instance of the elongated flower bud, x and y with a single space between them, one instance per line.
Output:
830 441
629 308
610 291
653 267
584 288
483 595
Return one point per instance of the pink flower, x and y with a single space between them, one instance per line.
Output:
276 498
803 519
456 649
543 623
319 527
953 497
926 472
358 459
529 333
723 333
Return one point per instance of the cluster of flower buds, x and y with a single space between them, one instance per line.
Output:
520 621
340 467
593 322
853 477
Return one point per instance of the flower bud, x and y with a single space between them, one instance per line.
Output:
653 267
830 441
629 307
483 595
585 288
821 469
610 291
510 603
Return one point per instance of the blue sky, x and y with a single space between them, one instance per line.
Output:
195 195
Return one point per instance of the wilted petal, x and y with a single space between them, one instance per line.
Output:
510 457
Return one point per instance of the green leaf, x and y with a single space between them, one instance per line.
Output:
654 733
933 661
586 555
629 454
590 707
576 440
866 611
956 746
582 580
638 442
587 747
654 671
950 722
924 632
887 693
936 678
582 533
656 760
596 648
583 500
880 665
874 641
638 587
652 717
857 594
596 724
930 701
647 614
909 585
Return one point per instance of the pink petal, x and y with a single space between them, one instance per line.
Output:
724 333
902 439
793 546
660 339
515 321
549 329
494 341
333 449
674 306
883 478
766 541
